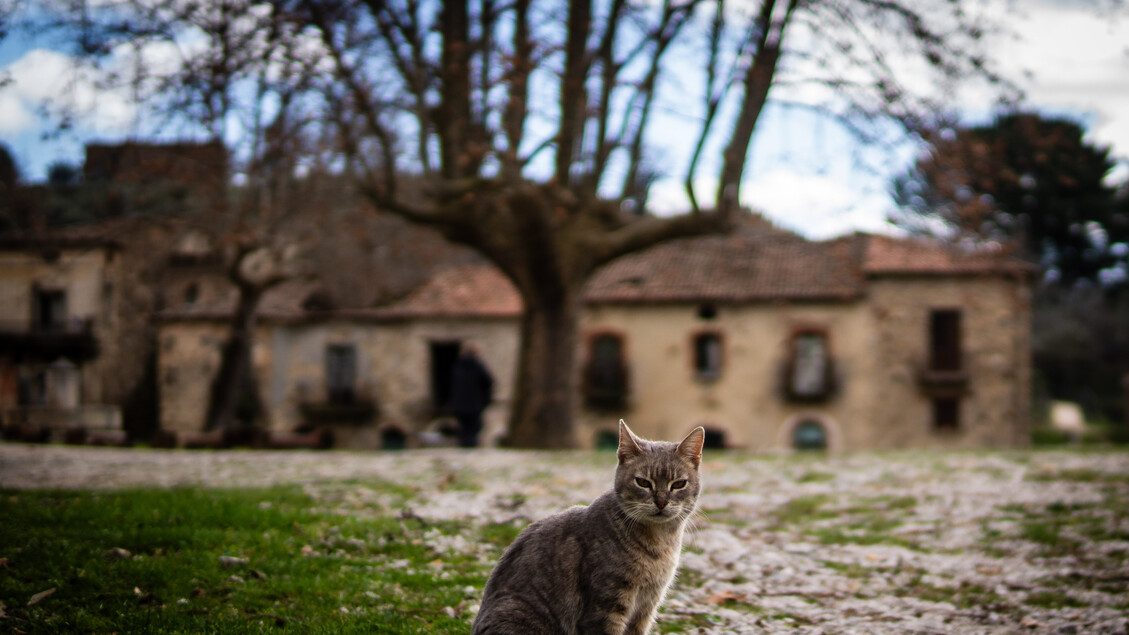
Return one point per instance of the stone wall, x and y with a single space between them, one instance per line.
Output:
745 400
188 358
392 369
878 344
995 409
81 275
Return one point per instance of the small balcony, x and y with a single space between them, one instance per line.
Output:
943 383
72 339
355 413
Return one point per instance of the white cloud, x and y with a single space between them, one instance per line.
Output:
14 115
813 205
1076 59
48 78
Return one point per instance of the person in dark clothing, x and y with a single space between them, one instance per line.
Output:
472 389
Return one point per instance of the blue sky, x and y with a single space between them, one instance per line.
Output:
805 172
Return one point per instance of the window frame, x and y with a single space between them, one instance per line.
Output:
946 339
599 393
828 382
346 392
707 371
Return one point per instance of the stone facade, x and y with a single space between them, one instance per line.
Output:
59 331
878 346
770 341
79 301
393 362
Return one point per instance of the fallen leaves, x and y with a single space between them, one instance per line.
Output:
228 562
38 597
726 597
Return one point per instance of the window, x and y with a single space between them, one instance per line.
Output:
809 370
707 355
946 414
191 293
340 373
605 375
50 310
944 340
809 365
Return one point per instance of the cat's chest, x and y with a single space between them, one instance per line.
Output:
654 563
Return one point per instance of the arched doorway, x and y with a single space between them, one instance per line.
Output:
809 435
810 431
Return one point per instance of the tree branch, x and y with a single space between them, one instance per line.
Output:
517 104
757 82
574 95
652 230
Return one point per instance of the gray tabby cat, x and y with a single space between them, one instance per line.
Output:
602 568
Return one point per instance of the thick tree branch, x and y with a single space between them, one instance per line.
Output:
757 82
652 230
713 98
454 117
517 104
573 93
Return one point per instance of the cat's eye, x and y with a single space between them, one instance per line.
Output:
644 483
678 484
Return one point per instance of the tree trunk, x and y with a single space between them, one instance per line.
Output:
542 407
234 374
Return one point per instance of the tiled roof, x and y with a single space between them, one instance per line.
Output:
477 290
751 264
755 263
887 255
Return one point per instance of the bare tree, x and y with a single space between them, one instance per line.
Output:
229 73
529 124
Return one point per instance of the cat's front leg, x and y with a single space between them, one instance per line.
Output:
614 624
640 625
642 616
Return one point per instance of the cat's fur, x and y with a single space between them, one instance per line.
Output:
606 567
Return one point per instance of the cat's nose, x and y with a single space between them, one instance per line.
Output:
660 503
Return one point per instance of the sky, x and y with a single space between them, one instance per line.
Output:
805 172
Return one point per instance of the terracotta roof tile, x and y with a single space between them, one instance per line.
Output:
477 290
755 263
751 264
887 255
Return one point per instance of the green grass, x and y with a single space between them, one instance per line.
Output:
297 569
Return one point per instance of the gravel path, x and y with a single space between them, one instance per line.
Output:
1015 542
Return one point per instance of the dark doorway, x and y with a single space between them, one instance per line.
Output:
946 414
443 356
715 439
393 439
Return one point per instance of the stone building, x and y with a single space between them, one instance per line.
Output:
769 340
74 311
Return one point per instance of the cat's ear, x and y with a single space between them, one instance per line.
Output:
691 447
628 443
